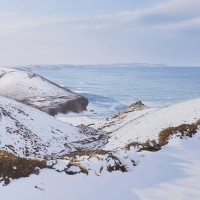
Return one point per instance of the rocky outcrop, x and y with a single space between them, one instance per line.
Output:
54 105
137 104
118 120
39 92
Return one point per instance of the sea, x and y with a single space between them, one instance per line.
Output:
112 88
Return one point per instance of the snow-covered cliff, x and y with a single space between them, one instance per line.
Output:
39 92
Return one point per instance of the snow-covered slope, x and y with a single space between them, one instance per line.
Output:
27 131
140 123
172 173
39 92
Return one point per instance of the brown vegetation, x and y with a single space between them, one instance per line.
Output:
147 146
181 131
184 130
15 167
117 167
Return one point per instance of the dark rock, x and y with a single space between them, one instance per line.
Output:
137 104
63 106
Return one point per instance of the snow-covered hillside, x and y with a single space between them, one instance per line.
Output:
139 123
172 173
141 127
27 131
39 92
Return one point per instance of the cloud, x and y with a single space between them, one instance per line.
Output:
186 25
155 33
171 14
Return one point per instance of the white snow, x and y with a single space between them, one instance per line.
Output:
172 173
22 84
73 169
61 164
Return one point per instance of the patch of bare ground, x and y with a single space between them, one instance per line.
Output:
13 167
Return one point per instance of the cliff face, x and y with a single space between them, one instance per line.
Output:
39 92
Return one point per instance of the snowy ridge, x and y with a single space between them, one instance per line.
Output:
39 92
139 124
26 131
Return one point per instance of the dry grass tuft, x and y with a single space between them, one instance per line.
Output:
184 130
117 167
147 146
15 167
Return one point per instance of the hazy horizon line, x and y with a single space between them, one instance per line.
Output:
131 64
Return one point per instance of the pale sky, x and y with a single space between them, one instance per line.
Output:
99 31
